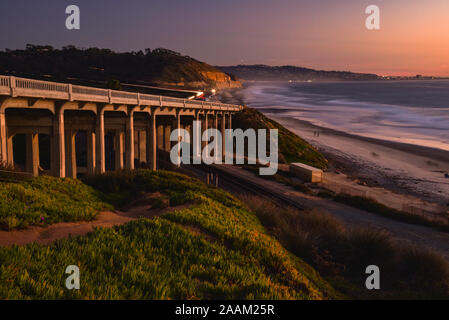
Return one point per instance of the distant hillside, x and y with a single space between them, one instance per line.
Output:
285 73
160 67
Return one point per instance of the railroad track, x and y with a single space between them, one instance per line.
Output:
247 186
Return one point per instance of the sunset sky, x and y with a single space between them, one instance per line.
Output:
323 34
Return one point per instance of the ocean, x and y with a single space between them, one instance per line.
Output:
413 112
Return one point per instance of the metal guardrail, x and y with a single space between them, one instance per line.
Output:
22 87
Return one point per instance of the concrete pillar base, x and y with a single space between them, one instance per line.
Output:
130 142
3 140
119 141
70 153
58 145
91 152
100 166
32 153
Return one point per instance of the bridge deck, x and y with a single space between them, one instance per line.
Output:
21 87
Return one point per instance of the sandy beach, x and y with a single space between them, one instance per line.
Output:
403 168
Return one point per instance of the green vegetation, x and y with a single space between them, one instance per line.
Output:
214 248
291 147
104 66
442 223
46 200
341 255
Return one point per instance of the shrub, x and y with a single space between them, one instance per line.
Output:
370 247
423 268
324 242
373 206
122 187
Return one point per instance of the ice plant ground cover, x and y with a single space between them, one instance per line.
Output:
214 248
47 200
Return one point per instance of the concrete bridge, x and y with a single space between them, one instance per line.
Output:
66 130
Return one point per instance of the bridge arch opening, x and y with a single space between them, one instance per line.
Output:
19 152
29 139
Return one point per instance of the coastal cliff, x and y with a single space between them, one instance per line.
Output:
210 79
100 67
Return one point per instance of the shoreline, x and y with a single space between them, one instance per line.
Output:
402 168
398 167
437 154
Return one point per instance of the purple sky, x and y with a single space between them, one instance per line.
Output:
324 34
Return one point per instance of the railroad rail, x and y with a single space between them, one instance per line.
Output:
246 185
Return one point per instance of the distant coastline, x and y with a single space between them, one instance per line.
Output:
261 72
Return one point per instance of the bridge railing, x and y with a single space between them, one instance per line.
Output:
40 85
89 91
4 85
21 87
4 81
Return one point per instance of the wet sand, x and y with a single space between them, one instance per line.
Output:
399 167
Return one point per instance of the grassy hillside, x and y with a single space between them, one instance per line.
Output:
157 67
214 248
291 147
46 200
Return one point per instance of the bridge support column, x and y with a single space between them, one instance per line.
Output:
140 149
217 152
160 137
32 153
91 152
10 150
100 166
152 143
196 139
119 149
58 145
130 141
223 135
167 142
205 128
3 139
188 130
177 126
70 152
229 136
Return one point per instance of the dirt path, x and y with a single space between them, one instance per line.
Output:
51 233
